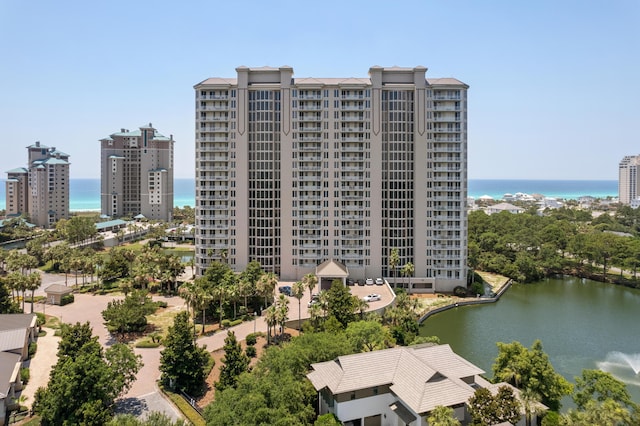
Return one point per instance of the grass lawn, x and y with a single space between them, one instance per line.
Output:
494 280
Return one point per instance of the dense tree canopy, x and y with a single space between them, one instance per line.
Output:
530 369
86 380
276 391
528 246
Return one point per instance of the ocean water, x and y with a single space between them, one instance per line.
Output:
567 189
85 193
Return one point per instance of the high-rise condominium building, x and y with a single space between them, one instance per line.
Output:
42 189
293 172
136 174
628 179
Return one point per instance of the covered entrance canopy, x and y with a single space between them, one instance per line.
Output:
330 270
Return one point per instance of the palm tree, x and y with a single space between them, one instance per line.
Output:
407 271
361 306
188 292
245 289
297 291
394 261
315 313
530 401
282 311
310 281
33 282
271 319
442 416
267 284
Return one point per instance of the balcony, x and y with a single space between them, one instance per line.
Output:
310 117
310 129
314 158
450 138
311 107
352 107
353 139
310 139
315 96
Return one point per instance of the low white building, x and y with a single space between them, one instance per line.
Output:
501 207
398 386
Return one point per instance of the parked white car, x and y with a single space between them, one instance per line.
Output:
371 297
369 281
379 281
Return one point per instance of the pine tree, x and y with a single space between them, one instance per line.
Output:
182 362
235 362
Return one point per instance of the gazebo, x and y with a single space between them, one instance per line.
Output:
330 270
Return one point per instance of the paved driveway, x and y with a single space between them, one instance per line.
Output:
143 397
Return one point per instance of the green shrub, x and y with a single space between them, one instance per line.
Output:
460 291
226 323
147 344
161 304
41 318
65 300
477 288
251 339
24 375
33 347
235 322
250 351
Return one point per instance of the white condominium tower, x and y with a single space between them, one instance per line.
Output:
295 172
136 175
628 179
42 189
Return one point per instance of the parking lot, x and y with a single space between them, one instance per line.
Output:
360 291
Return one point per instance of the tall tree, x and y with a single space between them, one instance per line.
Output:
235 362
182 362
530 369
85 383
598 385
297 291
341 303
310 281
408 270
394 261
266 286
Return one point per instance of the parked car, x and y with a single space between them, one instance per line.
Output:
285 289
369 281
315 298
379 281
371 297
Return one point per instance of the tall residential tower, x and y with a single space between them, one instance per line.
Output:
42 189
628 179
296 172
136 175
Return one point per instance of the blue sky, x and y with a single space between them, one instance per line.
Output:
555 85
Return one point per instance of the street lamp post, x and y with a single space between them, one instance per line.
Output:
255 318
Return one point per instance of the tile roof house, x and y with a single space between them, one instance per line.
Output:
396 386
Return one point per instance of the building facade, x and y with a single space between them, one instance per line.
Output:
42 189
628 179
294 172
136 174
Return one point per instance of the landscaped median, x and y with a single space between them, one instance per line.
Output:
185 408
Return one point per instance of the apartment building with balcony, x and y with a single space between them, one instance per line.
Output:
41 190
136 174
628 179
292 172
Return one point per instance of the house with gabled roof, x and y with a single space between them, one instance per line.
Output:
16 332
397 386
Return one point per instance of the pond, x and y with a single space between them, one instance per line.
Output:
581 323
185 256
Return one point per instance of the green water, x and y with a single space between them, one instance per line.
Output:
581 323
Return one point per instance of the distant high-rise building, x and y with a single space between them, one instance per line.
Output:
628 179
42 189
294 173
136 175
